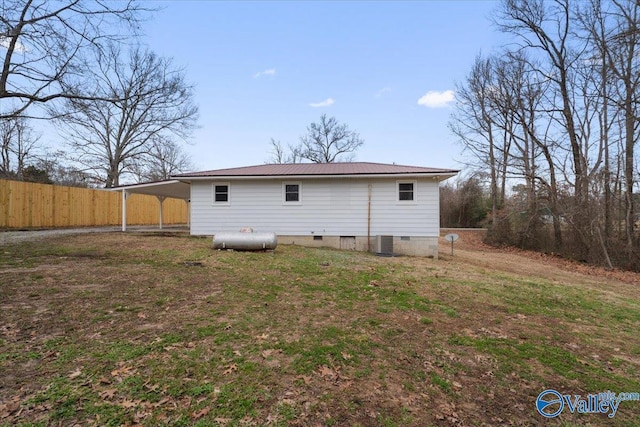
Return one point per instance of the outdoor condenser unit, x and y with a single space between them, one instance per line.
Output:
384 245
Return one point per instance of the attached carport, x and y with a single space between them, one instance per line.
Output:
161 189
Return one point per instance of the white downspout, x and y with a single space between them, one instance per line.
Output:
188 202
369 220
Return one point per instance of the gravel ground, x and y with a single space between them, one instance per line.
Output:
7 237
21 236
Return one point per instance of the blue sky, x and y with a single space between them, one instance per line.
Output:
267 70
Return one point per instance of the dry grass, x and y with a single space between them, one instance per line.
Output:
124 329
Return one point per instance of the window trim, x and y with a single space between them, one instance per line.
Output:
284 193
414 191
213 190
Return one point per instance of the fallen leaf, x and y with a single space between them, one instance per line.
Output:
142 316
126 403
345 385
270 352
76 373
201 413
108 393
326 371
305 378
123 371
161 402
153 387
346 356
141 415
231 368
9 407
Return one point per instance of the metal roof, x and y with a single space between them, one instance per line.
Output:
179 186
170 188
319 169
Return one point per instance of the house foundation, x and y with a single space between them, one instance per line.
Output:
423 246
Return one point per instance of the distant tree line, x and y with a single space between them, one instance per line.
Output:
463 203
553 120
122 110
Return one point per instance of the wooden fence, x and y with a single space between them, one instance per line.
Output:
30 205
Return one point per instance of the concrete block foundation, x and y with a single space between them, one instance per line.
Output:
424 246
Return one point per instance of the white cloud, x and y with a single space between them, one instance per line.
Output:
267 72
435 99
325 103
382 92
4 42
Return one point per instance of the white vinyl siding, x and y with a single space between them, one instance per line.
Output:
331 207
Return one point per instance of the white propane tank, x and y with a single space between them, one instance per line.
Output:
245 241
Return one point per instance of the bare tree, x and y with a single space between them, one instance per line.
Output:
60 173
474 123
546 29
621 52
329 141
559 110
45 46
17 146
154 104
164 159
280 154
463 203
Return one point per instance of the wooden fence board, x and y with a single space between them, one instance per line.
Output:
31 205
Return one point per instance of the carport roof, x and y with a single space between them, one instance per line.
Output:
170 188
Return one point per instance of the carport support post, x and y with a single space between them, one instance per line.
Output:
188 202
161 200
125 194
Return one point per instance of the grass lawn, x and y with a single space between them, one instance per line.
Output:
134 329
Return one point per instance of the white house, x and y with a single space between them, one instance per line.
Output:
344 205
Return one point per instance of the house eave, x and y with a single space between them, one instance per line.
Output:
440 176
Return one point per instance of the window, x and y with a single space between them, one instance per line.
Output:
406 191
221 193
291 192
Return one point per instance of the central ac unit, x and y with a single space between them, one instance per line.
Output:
384 245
